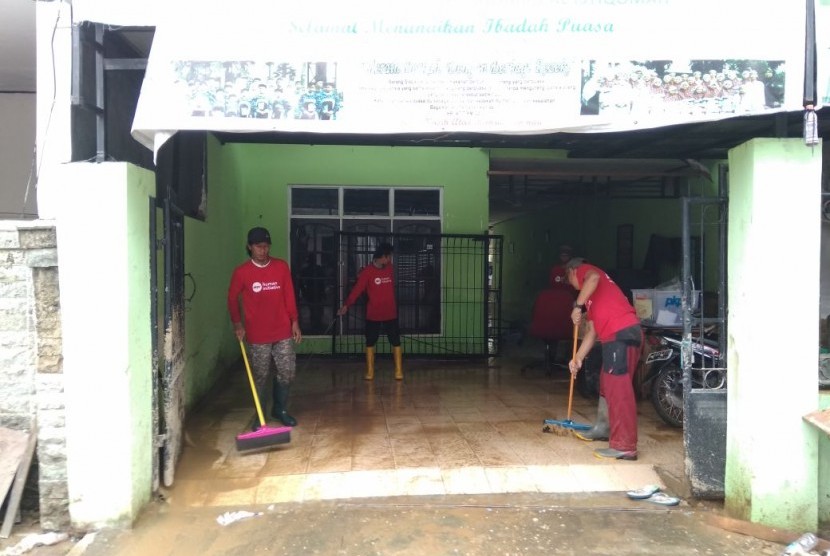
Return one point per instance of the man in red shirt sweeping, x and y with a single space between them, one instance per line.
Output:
270 327
377 281
611 320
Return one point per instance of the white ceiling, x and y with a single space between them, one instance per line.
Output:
17 46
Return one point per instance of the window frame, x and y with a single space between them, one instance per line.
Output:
343 222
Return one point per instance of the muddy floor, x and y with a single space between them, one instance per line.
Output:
522 524
475 428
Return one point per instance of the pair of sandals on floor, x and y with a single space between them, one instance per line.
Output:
652 493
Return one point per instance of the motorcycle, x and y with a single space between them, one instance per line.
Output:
664 374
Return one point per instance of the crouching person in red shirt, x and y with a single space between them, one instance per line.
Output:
270 327
377 280
611 319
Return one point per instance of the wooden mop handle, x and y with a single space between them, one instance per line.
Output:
253 386
571 393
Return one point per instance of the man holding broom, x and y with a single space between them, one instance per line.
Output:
611 319
264 285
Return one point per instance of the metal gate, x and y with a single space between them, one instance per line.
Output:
155 245
168 363
447 288
704 409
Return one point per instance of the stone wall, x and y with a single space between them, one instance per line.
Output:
31 364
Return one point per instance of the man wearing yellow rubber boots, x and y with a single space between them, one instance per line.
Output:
377 280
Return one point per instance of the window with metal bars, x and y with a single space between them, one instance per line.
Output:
447 292
448 286
320 213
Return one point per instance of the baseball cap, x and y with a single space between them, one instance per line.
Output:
258 235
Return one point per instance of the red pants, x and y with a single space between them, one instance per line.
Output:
618 391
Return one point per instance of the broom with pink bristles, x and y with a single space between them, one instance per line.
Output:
264 436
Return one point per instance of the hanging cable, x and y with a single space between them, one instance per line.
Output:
35 169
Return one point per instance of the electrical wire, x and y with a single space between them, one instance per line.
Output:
34 176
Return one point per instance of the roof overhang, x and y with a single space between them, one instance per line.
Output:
467 67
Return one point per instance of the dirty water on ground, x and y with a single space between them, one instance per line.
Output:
524 523
517 524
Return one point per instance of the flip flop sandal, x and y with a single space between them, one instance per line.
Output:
643 493
663 499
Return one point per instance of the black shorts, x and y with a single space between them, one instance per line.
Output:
393 332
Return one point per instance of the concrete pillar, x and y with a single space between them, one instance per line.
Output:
101 213
824 469
773 265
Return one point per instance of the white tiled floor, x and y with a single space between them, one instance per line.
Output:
448 428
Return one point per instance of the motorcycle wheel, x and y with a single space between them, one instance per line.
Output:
667 395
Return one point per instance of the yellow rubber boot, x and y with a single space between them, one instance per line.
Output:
370 363
398 357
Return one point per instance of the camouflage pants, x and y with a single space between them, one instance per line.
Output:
285 361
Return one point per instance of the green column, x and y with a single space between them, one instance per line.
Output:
773 319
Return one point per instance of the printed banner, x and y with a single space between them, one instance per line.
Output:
507 67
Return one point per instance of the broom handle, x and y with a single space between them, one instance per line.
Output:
571 394
253 386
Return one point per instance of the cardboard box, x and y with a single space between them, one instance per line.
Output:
661 307
667 305
643 303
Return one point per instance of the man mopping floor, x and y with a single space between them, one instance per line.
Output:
611 319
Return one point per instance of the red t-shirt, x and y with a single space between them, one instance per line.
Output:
559 277
267 300
380 288
552 314
608 308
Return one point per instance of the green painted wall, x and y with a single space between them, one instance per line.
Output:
765 425
266 171
212 249
590 226
531 246
248 186
824 469
139 184
649 217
